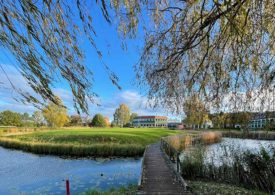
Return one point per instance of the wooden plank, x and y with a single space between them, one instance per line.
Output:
157 177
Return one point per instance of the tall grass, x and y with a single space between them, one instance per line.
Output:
211 137
247 169
260 135
180 142
94 150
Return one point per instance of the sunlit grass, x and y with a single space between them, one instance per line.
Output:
128 190
87 141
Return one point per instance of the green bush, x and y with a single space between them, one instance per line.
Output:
98 121
9 118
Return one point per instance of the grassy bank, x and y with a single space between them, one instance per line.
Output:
202 187
86 141
129 190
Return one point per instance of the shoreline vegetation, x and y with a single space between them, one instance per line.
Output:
244 169
86 142
127 142
258 135
104 142
126 190
210 187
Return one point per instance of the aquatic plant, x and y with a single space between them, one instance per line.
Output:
260 135
247 169
211 137
180 142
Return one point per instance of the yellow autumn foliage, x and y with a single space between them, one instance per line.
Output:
56 115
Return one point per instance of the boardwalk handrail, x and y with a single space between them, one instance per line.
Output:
172 152
142 166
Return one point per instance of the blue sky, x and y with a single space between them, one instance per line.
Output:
119 61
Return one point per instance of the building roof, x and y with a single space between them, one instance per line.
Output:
156 117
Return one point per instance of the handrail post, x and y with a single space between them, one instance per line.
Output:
178 163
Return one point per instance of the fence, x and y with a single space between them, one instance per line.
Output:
174 153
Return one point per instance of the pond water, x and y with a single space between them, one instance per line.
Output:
224 150
26 173
241 144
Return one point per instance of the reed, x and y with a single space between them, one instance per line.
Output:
211 137
95 150
179 142
175 142
260 135
244 169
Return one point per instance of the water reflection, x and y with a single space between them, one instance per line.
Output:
222 153
25 173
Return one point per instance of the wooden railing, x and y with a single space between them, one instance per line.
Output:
173 153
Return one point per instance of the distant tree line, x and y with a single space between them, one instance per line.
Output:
231 120
198 113
55 115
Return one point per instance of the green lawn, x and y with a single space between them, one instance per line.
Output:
87 141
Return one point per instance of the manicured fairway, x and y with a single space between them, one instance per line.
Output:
87 141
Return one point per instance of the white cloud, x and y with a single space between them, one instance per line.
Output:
136 102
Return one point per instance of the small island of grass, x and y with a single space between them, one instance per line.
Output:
94 142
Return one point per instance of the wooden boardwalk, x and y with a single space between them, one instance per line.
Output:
157 177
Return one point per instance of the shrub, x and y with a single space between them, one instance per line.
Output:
98 121
9 118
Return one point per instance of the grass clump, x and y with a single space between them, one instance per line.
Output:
181 142
211 137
